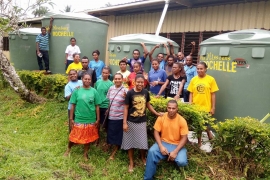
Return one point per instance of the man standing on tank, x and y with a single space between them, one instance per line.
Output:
42 46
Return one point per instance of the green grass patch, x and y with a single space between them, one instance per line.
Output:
34 138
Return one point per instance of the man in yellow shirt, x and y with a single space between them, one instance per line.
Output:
76 65
170 132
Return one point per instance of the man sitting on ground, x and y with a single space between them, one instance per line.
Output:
170 132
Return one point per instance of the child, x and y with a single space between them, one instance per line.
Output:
175 81
131 77
134 122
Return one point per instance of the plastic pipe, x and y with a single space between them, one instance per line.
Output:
162 17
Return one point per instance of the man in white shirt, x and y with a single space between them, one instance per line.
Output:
70 50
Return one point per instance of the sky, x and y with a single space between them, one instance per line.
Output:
76 5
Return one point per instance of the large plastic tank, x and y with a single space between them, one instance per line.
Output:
22 48
89 31
240 63
123 46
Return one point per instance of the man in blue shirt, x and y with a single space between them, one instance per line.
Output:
160 56
191 71
69 88
137 58
180 57
42 46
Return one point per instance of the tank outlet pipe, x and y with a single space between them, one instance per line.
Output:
162 17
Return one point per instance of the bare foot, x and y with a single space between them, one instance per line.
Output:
130 169
67 152
144 161
111 158
85 157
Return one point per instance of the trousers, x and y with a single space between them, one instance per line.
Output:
154 156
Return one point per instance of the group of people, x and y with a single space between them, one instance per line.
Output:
121 104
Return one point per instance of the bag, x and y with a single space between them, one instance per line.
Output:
106 119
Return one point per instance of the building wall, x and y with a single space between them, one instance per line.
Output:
213 18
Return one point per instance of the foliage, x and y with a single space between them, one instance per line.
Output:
40 11
67 9
51 86
195 118
244 143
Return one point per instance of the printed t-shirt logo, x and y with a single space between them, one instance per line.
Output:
200 88
138 102
175 86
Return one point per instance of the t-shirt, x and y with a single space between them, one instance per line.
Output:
131 81
191 71
202 89
159 75
74 66
43 41
102 88
171 129
125 75
137 105
97 66
174 85
69 88
91 72
117 107
70 50
161 65
86 101
132 61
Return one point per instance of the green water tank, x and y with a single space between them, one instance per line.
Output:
240 63
89 31
22 48
123 46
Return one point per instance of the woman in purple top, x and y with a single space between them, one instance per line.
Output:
116 95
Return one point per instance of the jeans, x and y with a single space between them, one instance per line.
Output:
45 57
186 95
154 156
68 63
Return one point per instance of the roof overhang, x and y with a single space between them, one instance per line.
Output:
149 6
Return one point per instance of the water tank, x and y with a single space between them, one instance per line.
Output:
240 63
22 48
89 31
123 46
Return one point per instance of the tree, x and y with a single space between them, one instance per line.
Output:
9 17
42 10
67 9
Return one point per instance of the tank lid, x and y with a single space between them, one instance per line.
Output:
248 36
33 31
138 38
71 15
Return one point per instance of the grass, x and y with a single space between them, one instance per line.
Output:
34 138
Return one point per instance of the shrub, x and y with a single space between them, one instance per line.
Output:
244 143
195 118
51 86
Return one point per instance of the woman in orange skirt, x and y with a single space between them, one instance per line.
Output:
85 102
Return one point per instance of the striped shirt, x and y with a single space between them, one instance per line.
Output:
43 41
117 107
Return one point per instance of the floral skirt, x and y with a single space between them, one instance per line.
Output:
83 133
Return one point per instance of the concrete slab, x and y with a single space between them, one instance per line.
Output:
206 145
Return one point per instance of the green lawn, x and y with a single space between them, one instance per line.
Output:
34 138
